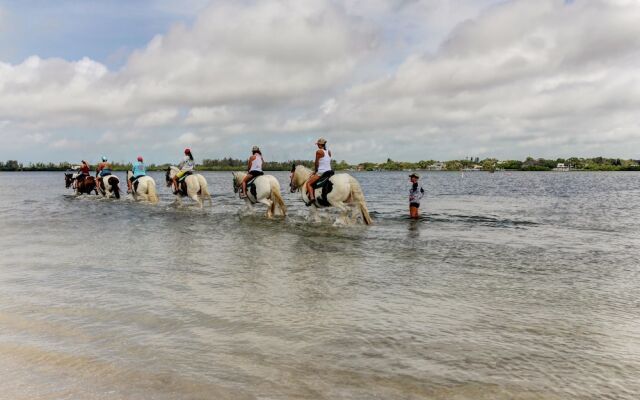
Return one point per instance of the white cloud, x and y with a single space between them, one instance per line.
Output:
156 118
208 116
405 79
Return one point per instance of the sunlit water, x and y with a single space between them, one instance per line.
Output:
513 286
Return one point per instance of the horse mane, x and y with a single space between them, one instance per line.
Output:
302 169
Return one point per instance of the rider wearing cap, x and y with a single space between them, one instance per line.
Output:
137 171
104 168
322 167
185 166
254 169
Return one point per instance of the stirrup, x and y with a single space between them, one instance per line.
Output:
243 195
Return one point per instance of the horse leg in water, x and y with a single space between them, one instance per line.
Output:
248 205
344 211
313 213
269 205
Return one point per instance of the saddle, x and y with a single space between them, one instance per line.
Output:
251 185
325 184
183 177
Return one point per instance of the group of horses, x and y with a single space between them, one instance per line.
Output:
341 191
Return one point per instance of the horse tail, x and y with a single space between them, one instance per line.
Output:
204 190
113 181
277 198
358 197
151 191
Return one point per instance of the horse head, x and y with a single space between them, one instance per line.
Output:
168 176
236 184
293 186
68 179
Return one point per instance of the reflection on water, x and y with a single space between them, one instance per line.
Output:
519 286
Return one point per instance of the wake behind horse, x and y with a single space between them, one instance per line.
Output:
266 190
342 191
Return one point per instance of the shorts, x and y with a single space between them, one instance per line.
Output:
254 174
133 178
416 205
105 172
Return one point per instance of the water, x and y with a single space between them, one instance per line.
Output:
512 286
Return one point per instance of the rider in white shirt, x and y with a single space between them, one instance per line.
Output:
322 167
254 169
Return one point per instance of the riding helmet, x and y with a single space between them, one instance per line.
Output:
104 158
187 151
322 141
140 158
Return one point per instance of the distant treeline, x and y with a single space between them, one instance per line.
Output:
491 164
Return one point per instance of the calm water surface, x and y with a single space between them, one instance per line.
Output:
513 286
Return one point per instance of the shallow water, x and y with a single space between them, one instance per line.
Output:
512 286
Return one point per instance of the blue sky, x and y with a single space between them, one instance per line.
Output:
418 79
105 31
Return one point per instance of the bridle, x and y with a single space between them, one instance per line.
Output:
68 180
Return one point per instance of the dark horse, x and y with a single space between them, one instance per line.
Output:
83 186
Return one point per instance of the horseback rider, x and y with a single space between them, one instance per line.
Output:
103 169
137 171
83 173
322 168
254 169
187 165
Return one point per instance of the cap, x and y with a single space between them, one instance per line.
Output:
187 151
140 158
414 175
104 158
255 148
322 141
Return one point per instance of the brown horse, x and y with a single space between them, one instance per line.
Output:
83 186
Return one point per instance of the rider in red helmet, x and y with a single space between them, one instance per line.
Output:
185 166
137 171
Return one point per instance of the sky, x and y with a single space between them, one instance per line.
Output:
403 79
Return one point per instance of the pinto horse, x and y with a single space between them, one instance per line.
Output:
108 186
193 186
83 186
143 188
267 192
345 193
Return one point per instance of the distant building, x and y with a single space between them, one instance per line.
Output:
436 167
561 167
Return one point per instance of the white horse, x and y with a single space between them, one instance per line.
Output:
108 186
196 186
143 188
267 192
345 193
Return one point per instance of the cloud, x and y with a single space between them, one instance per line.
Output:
401 79
156 118
524 77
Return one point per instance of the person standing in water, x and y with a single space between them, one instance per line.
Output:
416 193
